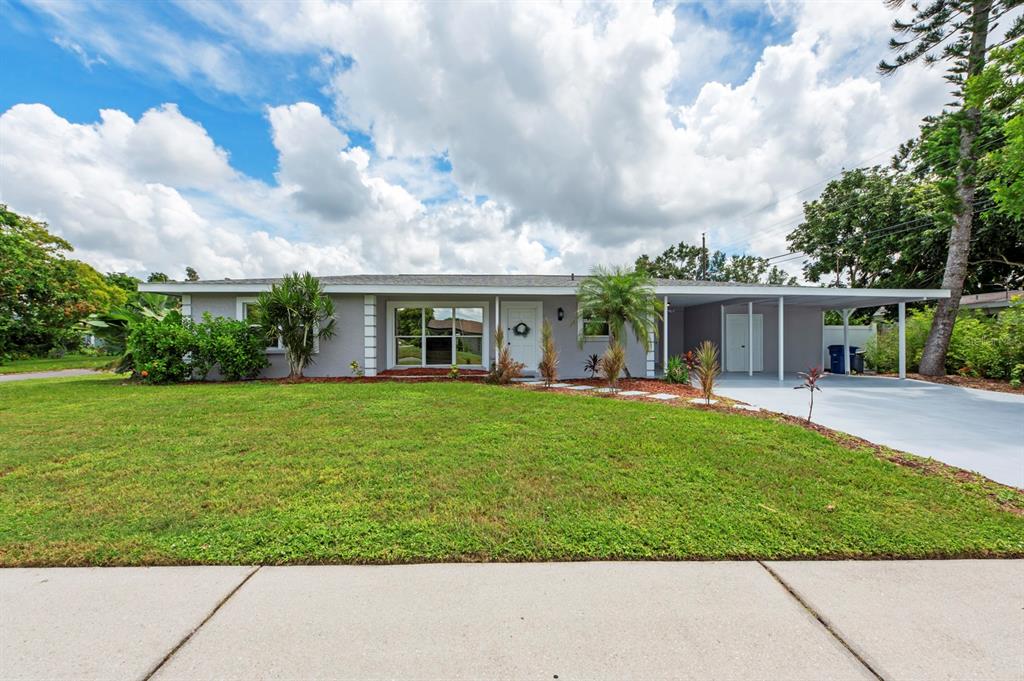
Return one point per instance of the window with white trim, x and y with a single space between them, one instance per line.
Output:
431 335
243 311
593 328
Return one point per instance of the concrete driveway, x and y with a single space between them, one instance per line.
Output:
867 620
978 430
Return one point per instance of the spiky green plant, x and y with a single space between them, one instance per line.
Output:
299 312
707 369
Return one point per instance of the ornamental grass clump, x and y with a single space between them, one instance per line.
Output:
505 368
612 364
548 366
707 369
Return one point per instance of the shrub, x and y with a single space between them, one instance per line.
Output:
707 369
613 363
1017 376
356 370
453 373
593 364
810 384
981 345
548 366
160 348
505 368
235 346
676 371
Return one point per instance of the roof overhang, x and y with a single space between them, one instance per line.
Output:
685 295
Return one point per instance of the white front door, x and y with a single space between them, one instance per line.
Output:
522 331
736 342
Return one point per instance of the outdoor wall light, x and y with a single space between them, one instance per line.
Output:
561 314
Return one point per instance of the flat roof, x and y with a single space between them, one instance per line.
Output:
679 291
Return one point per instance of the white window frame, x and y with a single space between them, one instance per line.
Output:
240 304
393 305
579 330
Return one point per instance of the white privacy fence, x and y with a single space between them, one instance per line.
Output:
833 335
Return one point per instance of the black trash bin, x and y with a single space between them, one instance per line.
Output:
835 357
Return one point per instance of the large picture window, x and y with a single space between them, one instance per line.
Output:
438 336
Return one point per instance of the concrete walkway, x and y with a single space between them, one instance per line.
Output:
60 373
735 620
978 430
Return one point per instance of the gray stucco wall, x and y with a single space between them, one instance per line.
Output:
335 353
801 339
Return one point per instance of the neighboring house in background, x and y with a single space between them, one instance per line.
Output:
994 301
405 321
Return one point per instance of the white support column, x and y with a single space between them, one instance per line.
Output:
903 340
822 340
370 335
782 353
664 334
186 306
497 325
846 341
721 338
750 338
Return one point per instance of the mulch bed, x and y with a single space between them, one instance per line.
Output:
420 372
995 385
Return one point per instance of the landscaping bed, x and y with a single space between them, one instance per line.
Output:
993 384
98 471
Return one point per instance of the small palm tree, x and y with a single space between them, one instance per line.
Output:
622 297
707 369
299 312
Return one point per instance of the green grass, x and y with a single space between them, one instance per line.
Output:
20 366
97 472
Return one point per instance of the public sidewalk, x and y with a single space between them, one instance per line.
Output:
727 620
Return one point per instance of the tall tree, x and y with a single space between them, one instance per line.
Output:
157 278
683 261
955 31
191 274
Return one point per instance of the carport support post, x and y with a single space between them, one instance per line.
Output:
846 341
782 371
497 325
750 338
903 339
664 334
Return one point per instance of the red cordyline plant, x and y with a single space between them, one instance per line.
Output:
810 384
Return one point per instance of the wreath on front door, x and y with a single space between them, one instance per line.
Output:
521 329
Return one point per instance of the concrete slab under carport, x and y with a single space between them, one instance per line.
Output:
102 623
976 430
548 620
951 619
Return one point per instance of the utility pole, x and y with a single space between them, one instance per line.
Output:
703 256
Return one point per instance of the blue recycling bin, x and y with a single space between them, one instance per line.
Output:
835 359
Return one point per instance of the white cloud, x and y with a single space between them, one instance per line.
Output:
565 116
88 61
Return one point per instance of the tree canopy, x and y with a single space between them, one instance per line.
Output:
683 261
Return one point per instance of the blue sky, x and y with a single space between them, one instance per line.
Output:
384 136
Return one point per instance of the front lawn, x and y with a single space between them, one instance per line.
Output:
70 361
95 472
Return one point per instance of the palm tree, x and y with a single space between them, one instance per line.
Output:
622 297
299 312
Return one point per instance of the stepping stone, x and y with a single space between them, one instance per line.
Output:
663 396
633 393
531 382
524 380
607 390
581 387
700 400
744 407
560 385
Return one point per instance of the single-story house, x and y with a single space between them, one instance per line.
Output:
405 321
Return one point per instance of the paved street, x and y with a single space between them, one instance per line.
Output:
793 620
59 373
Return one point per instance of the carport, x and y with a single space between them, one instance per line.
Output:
777 328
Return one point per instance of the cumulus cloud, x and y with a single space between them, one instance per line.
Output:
588 129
